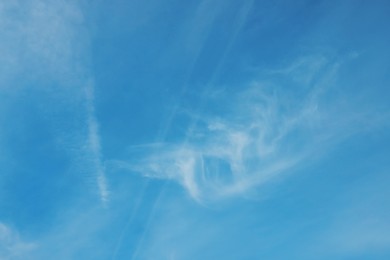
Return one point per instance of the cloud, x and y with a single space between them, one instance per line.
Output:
94 145
12 246
303 70
242 140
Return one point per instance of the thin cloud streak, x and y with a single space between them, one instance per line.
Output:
94 144
194 39
48 41
196 32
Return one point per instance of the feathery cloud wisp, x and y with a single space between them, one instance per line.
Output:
265 130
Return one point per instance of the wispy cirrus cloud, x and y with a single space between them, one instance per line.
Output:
257 133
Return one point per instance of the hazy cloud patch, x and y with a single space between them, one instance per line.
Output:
11 245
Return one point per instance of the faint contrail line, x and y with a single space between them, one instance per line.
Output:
130 219
94 144
162 135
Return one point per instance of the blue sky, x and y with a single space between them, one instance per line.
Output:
194 129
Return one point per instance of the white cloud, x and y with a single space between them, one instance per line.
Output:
94 145
266 130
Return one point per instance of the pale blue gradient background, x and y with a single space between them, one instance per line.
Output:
211 129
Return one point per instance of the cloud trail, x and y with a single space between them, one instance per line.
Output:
46 41
94 144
